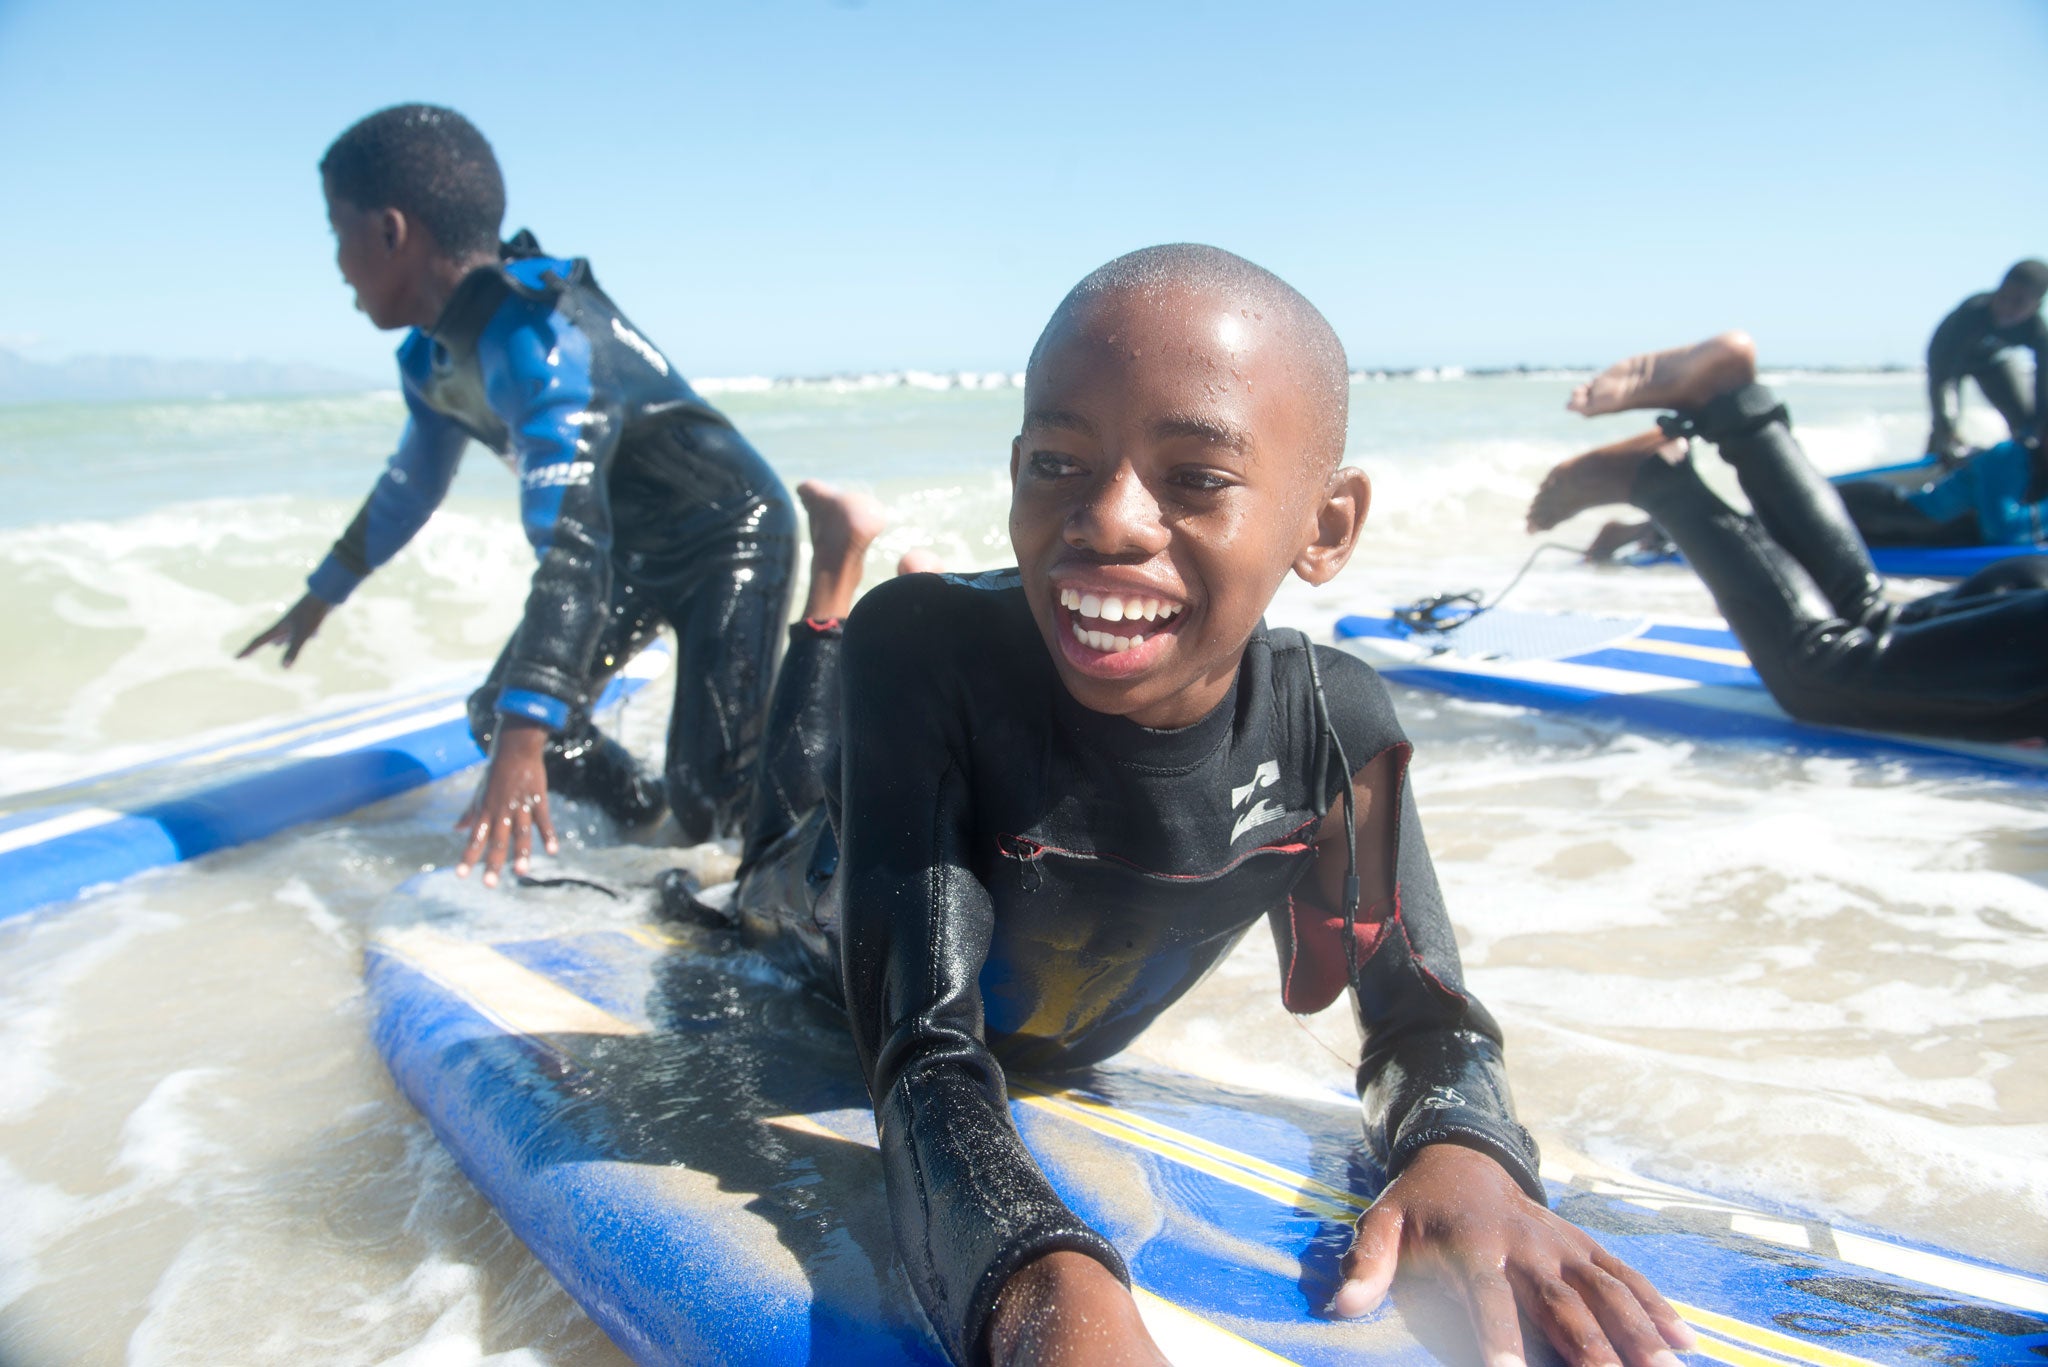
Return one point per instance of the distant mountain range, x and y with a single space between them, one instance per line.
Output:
139 377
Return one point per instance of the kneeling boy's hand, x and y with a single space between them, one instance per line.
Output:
510 803
292 630
1456 1214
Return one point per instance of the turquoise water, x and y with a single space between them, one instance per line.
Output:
1816 982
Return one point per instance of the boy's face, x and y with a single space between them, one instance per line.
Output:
1165 482
368 249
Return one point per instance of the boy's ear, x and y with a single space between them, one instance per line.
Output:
1016 458
1340 517
393 228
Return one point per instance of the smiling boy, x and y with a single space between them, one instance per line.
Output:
643 505
1022 813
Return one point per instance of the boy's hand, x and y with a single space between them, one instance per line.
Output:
292 630
1456 1214
1067 1310
509 804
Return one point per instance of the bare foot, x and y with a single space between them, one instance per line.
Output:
843 526
1616 537
1682 378
920 562
1598 477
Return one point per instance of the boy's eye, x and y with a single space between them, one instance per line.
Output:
1052 465
1201 481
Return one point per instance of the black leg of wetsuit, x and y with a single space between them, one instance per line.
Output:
1970 668
1798 507
2009 389
728 620
582 762
800 755
1885 517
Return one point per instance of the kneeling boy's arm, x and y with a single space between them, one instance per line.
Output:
414 482
969 1205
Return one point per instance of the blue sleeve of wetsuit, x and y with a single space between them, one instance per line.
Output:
539 377
414 482
968 1203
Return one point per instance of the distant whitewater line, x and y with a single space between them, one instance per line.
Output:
1014 379
121 378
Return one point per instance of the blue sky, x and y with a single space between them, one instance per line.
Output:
800 186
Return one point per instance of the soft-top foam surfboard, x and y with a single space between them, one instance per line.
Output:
243 785
1678 675
678 1131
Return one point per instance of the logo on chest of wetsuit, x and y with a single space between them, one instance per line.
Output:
1261 811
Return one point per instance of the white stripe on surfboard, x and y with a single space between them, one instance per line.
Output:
370 735
1924 1266
56 827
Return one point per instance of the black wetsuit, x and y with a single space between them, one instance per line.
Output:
1797 587
644 506
1028 884
1970 343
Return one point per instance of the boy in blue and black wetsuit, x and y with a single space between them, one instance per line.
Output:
643 503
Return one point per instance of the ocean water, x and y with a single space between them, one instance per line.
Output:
1818 983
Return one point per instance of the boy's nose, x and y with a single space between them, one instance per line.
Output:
1119 516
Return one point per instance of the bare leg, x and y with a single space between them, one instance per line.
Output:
843 526
919 562
1683 378
1598 477
1616 537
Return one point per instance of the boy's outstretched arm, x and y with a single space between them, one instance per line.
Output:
414 482
1466 1203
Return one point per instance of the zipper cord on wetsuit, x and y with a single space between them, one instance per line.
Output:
1315 679
1449 611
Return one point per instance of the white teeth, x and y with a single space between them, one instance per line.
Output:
1108 608
1091 606
1104 641
1112 609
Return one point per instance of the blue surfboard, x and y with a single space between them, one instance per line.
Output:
679 1133
1906 562
244 785
1690 677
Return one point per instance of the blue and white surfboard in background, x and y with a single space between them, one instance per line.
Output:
243 785
679 1132
1675 675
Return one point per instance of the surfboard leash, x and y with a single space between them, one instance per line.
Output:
1448 611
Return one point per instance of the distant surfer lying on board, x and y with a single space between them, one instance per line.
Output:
1009 818
642 503
1795 581
1991 497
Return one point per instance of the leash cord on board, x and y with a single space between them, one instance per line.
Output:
1448 611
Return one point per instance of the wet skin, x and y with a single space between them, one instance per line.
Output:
1169 456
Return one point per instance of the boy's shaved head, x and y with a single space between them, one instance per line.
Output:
430 164
1316 355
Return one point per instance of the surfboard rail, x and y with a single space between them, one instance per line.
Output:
244 785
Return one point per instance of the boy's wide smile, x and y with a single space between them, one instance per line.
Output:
1115 629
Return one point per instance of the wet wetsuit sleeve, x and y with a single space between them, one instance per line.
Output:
2037 342
414 482
1947 362
538 377
1431 1068
968 1203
